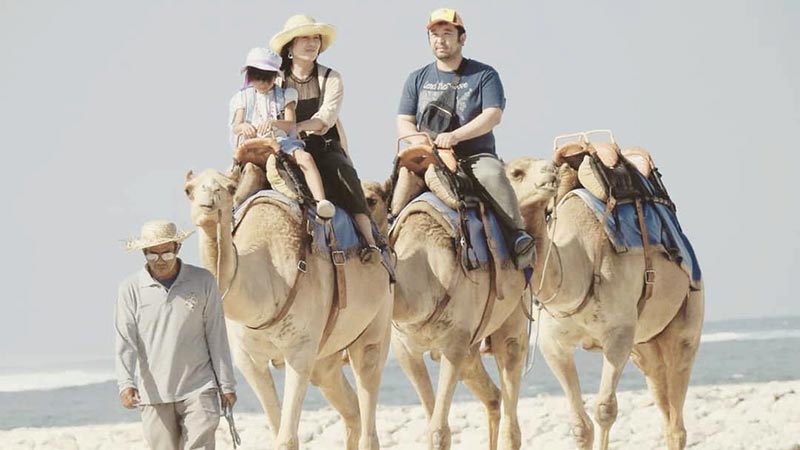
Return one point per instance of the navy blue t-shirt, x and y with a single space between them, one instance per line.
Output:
479 88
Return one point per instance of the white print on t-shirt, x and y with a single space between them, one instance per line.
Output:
441 86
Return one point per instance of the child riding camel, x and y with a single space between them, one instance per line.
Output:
262 108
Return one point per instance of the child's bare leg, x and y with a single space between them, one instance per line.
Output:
310 172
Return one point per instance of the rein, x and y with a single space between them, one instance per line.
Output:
550 248
219 256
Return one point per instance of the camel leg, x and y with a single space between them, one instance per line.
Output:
330 379
510 345
367 358
557 348
668 360
477 380
259 377
414 367
299 362
452 358
617 345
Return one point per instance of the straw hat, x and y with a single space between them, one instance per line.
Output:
156 232
302 25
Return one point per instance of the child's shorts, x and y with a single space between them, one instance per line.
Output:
289 145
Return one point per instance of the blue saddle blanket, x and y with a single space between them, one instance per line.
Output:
343 225
663 230
480 247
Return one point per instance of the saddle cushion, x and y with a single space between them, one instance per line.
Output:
663 231
439 185
417 158
640 158
256 151
276 179
481 255
591 180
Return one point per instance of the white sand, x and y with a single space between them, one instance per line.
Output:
747 416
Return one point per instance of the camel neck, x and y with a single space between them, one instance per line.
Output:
218 254
536 225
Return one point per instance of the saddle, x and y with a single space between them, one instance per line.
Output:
444 175
615 177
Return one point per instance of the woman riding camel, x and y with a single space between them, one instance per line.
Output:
320 95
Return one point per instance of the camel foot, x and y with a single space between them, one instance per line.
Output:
440 439
583 436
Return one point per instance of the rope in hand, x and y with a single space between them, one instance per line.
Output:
227 412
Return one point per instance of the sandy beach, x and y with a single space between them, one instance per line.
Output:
761 416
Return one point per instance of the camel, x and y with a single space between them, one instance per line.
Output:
662 339
257 269
426 267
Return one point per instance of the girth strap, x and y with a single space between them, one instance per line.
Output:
492 244
490 298
338 259
649 272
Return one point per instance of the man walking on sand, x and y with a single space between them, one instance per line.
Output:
169 322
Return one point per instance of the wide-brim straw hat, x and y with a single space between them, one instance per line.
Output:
302 25
156 232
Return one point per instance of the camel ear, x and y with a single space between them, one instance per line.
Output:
386 189
189 175
236 173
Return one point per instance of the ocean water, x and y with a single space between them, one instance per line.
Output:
83 391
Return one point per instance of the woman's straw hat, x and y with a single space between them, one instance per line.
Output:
302 25
156 232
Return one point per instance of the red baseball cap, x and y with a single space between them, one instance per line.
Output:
445 15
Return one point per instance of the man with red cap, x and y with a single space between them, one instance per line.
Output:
458 102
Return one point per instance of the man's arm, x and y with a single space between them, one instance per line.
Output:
480 125
408 125
126 348
217 340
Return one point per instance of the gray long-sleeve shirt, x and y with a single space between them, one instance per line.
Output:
177 336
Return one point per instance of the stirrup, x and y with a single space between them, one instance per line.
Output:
524 245
370 255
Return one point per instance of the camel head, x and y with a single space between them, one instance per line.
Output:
211 194
377 195
534 181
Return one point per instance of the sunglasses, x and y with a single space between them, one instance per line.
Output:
166 256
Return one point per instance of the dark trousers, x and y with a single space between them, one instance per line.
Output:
339 177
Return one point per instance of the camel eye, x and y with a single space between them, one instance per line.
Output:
517 174
188 192
371 202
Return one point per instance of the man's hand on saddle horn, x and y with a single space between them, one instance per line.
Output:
446 140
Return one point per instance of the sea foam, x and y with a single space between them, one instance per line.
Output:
44 381
765 335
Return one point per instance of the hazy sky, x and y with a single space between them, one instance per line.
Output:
105 105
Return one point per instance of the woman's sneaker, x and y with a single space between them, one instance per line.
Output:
371 255
325 209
